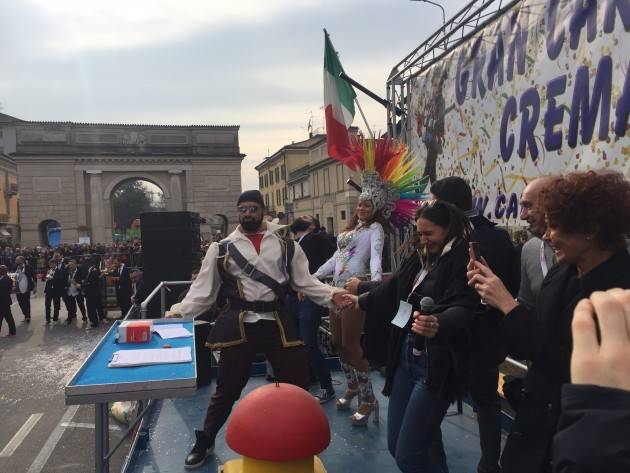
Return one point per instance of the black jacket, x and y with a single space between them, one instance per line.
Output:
318 249
499 252
6 288
455 302
91 282
544 337
594 431
123 285
60 280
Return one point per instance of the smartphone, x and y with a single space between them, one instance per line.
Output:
474 249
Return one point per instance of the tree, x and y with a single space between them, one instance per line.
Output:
129 200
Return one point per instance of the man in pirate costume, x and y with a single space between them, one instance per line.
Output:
249 273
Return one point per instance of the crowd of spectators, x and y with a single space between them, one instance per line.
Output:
38 256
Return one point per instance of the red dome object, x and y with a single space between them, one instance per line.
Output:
278 423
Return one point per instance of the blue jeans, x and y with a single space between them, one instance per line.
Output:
309 317
414 417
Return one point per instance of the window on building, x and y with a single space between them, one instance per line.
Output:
277 174
266 181
273 201
316 216
284 194
339 174
271 178
292 192
278 199
261 182
283 171
343 215
301 189
328 179
266 200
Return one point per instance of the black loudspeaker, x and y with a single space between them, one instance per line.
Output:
170 250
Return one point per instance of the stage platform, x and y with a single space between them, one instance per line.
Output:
169 434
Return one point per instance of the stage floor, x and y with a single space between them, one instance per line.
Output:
352 449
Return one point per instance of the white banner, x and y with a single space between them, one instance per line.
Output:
543 89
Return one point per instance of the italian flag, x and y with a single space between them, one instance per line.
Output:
338 104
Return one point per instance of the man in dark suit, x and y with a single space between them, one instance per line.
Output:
91 285
488 350
75 295
6 288
24 284
49 290
59 285
124 290
318 249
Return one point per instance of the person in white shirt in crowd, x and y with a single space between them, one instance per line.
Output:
250 271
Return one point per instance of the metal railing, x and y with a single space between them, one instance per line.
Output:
161 288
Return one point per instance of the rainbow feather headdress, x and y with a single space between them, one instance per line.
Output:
391 177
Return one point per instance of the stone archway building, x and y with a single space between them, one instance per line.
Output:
68 171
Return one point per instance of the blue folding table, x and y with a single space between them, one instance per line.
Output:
96 383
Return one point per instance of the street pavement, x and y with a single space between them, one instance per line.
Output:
38 432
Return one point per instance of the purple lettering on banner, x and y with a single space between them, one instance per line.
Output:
623 6
479 57
461 83
495 62
499 208
584 113
528 123
554 114
517 47
512 208
554 39
507 143
480 204
585 14
623 107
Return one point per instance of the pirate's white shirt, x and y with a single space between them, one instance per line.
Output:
205 289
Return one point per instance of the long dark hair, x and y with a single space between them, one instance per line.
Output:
445 215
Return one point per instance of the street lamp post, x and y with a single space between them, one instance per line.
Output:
437 5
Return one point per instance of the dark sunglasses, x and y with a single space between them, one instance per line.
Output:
252 209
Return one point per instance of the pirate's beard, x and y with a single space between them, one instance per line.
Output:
250 224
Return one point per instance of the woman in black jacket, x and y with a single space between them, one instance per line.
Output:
594 426
427 353
588 216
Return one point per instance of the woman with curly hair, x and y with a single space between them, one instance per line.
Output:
588 221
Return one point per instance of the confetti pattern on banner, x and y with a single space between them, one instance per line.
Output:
500 109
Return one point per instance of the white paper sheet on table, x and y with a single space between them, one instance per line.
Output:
167 331
150 356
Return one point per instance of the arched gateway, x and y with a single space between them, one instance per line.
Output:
67 172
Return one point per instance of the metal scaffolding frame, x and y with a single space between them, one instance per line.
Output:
475 16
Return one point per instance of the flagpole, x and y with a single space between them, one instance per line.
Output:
364 119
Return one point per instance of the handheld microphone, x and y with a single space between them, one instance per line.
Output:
427 305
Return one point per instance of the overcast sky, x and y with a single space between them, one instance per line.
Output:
253 63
